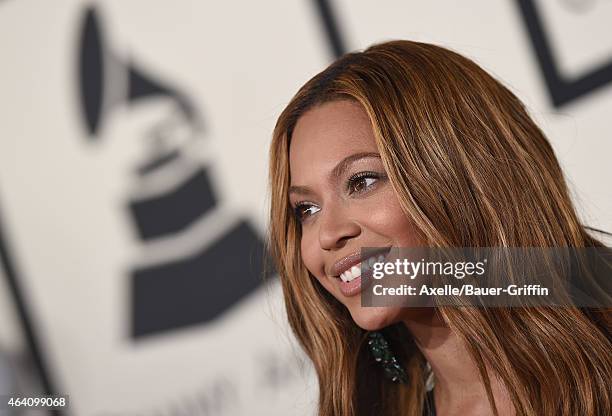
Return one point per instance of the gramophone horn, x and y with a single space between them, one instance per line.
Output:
97 96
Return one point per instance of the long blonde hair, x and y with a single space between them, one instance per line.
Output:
470 169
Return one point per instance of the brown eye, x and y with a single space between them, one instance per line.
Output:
302 211
362 181
362 184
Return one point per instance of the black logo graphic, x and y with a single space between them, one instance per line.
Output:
186 290
98 68
173 294
562 90
331 28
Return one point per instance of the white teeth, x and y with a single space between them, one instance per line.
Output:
355 271
352 273
345 276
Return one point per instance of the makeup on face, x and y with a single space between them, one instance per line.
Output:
343 201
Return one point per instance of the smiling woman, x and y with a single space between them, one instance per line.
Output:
333 150
408 144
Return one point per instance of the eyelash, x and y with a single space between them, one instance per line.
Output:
349 183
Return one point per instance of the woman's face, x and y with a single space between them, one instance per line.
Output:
344 201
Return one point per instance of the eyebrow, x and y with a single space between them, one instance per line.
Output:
336 171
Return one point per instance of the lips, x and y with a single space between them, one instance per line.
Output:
366 265
359 276
349 267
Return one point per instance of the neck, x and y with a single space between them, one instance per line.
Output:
457 380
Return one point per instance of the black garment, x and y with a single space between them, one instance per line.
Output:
429 409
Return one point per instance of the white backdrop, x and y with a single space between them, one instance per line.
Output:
209 80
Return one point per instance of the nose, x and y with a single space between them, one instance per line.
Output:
336 228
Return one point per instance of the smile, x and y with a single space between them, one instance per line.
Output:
355 271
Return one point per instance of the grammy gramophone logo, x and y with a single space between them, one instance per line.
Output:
186 289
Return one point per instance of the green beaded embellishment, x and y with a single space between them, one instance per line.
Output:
382 353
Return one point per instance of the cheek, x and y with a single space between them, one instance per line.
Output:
389 219
311 256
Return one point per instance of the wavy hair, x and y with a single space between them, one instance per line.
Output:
470 169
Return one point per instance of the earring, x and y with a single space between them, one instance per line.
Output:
430 382
382 353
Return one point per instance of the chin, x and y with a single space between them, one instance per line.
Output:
374 318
